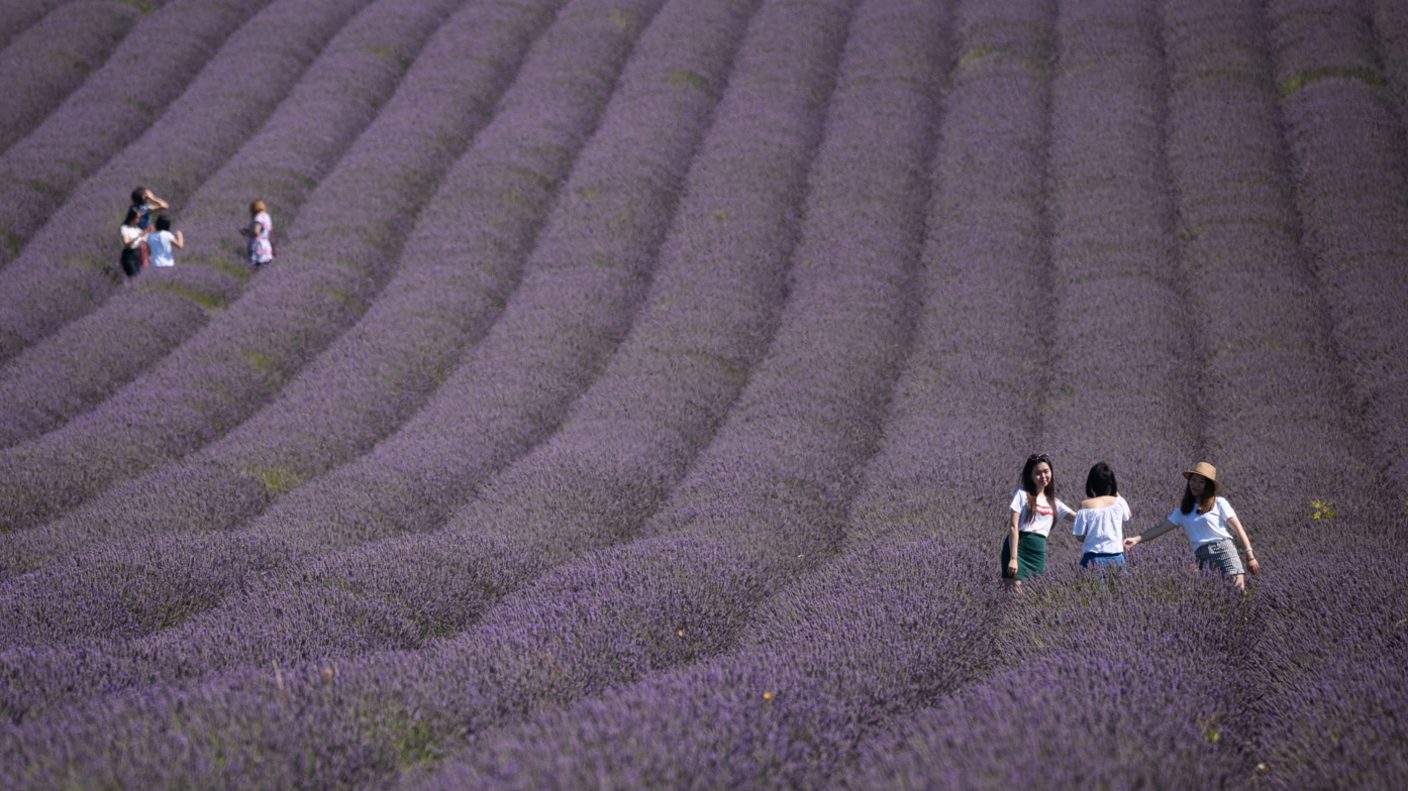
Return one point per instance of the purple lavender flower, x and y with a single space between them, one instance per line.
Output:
52 58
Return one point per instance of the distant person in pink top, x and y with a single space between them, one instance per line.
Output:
261 246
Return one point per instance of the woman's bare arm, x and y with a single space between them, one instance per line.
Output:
1240 535
1012 537
179 240
1150 534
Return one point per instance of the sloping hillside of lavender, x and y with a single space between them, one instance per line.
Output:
639 388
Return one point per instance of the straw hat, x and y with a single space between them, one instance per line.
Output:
1207 471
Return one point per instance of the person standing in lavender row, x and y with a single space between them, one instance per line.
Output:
132 238
1210 524
162 240
1035 510
261 245
1100 520
144 202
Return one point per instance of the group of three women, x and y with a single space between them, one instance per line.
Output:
1208 520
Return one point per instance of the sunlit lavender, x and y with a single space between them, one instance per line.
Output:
638 390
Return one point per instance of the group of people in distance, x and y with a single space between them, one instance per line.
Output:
1207 520
149 243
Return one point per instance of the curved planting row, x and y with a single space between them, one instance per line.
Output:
900 618
17 16
345 246
760 505
1334 622
651 78
1348 147
67 268
110 110
51 59
1071 644
669 46
785 711
385 366
85 361
497 646
1267 367
1123 690
1391 35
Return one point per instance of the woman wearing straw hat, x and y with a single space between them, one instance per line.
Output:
1034 511
1210 526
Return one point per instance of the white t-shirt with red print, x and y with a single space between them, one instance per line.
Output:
1041 525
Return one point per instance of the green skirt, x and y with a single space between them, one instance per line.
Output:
1031 555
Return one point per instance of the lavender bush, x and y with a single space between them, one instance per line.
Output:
233 365
108 112
18 16
52 58
89 358
1349 155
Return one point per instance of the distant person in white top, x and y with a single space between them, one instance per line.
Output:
132 238
1035 510
1100 520
1212 526
260 243
162 240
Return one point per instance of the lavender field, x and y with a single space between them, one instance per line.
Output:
638 392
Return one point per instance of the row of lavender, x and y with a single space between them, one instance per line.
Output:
894 624
345 246
114 107
652 78
779 43
50 60
1190 422
338 97
1076 680
1304 700
521 145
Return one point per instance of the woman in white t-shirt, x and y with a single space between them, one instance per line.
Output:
1100 520
132 238
260 244
1035 510
1210 526
162 240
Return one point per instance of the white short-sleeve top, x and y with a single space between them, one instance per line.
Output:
1205 528
160 243
1103 528
1041 525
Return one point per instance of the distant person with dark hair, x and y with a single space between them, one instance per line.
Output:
1035 510
261 245
1100 520
1210 524
132 237
143 202
162 240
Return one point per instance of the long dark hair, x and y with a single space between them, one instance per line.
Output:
1208 501
1029 485
1101 481
139 196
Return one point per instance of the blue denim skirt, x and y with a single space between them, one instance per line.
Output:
1102 559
